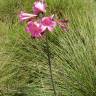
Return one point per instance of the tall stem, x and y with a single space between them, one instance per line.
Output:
49 63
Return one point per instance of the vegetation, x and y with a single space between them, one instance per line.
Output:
23 61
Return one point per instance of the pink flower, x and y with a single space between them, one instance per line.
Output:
25 16
35 29
39 7
63 24
48 23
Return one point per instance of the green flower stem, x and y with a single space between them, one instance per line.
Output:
49 63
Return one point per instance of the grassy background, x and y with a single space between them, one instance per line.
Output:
23 61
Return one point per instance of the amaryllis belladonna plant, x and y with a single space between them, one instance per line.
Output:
42 24
38 24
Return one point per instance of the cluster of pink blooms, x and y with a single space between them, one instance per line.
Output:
37 27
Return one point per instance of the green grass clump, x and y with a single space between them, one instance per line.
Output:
23 60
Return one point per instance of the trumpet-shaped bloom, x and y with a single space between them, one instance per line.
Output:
48 23
34 28
25 16
45 23
63 24
39 7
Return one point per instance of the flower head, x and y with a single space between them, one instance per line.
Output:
37 26
48 23
39 7
34 28
25 16
63 24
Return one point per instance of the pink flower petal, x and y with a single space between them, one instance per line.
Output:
25 16
49 23
39 7
43 27
35 29
51 29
